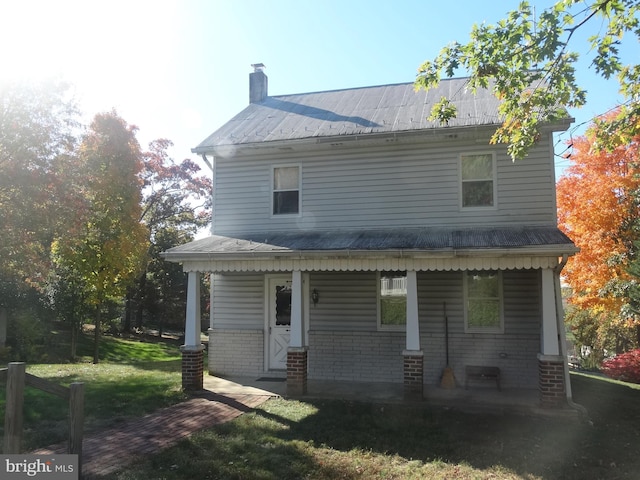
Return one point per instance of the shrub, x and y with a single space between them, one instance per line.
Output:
625 366
26 336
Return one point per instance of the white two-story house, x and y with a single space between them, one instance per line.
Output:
354 240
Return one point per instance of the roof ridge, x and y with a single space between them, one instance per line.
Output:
366 87
339 90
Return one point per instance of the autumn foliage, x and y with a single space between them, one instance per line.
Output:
598 209
598 199
84 214
625 367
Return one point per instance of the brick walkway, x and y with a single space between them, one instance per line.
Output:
110 450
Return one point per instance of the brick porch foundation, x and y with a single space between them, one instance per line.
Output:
413 374
192 367
297 371
551 381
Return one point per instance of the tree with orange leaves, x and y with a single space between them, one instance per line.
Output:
598 198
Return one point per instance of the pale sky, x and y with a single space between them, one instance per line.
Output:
180 69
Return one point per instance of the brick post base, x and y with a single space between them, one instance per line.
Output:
192 367
551 381
296 371
413 374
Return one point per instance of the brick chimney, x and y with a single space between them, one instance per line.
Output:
257 84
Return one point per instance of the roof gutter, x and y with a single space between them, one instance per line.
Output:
546 250
425 134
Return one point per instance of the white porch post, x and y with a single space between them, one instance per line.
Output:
413 327
192 356
297 316
413 356
549 338
297 351
551 363
192 326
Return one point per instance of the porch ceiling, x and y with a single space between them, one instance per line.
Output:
433 244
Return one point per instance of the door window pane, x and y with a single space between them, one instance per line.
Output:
283 305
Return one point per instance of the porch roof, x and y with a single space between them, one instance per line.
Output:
390 243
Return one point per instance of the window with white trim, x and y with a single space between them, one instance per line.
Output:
483 302
286 190
478 183
392 300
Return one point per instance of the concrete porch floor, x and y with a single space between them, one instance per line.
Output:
477 399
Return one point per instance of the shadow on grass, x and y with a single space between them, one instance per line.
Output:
250 447
548 448
327 439
352 440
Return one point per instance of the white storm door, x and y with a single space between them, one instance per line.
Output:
279 319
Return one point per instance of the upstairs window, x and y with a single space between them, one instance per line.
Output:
478 180
392 310
286 190
483 298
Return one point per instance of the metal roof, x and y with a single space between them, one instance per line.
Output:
356 111
428 240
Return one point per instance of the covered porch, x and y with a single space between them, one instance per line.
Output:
486 400
415 253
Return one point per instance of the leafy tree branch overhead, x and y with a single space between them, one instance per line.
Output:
529 61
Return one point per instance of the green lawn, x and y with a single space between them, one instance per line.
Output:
287 439
133 378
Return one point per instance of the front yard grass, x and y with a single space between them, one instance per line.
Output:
318 440
134 378
287 439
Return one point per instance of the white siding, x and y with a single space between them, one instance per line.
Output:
348 301
382 187
237 301
344 343
521 297
514 352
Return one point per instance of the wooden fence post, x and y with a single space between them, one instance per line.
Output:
76 421
13 414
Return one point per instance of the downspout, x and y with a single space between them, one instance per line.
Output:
582 411
206 160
